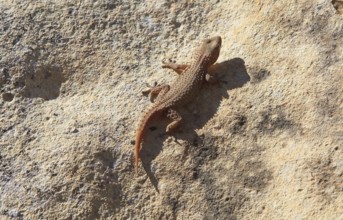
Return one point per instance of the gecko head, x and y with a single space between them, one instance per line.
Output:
210 50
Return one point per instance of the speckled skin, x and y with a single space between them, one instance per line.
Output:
182 91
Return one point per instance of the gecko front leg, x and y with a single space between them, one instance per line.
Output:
178 68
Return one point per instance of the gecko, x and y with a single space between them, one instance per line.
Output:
169 98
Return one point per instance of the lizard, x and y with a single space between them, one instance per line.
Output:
168 98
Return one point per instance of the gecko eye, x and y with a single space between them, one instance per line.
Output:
208 41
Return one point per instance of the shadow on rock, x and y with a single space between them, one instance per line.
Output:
151 147
230 74
44 82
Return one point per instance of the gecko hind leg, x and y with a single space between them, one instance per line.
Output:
177 119
178 68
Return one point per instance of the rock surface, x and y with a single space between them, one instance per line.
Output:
265 143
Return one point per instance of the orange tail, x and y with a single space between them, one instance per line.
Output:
139 137
141 130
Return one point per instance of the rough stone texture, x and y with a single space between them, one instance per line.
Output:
266 143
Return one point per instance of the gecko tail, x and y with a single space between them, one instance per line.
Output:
140 132
139 137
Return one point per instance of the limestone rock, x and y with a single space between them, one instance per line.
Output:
265 143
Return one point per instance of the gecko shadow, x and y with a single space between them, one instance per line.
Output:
231 74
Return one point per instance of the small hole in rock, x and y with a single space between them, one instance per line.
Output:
7 97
